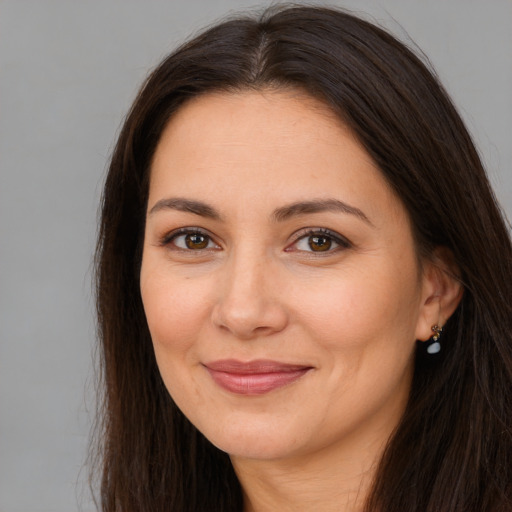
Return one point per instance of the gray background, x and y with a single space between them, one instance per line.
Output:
68 72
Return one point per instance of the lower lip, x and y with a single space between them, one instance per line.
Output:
255 383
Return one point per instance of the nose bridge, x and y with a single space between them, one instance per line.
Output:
249 302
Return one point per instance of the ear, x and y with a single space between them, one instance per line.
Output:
441 292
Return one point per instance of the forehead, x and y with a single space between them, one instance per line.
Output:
269 117
269 145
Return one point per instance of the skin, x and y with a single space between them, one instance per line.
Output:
259 290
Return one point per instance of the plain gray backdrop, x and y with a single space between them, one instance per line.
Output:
68 72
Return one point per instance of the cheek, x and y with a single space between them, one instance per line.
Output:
359 310
176 309
364 326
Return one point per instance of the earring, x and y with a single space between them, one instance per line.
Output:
435 346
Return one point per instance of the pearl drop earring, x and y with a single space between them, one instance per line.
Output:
435 346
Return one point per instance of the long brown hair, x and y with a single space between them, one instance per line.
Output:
452 451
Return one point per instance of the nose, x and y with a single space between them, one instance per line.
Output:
250 302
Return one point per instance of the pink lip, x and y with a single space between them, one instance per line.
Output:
254 377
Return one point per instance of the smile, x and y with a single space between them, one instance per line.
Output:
254 377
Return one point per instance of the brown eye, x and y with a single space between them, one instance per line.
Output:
319 240
190 240
196 241
319 243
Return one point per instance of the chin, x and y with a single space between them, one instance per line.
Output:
256 448
251 438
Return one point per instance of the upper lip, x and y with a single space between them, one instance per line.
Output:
253 367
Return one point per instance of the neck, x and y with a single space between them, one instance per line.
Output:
328 481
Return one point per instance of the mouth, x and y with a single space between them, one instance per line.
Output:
254 377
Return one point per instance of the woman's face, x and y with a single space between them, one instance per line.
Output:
279 278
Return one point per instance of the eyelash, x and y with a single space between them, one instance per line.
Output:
170 238
304 234
307 233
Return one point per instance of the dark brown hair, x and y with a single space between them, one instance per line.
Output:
453 448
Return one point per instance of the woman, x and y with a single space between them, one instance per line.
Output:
304 283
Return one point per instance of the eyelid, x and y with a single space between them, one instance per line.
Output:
341 241
168 238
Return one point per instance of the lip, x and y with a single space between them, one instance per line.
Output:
254 377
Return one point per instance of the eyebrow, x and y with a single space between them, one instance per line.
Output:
186 205
279 215
318 206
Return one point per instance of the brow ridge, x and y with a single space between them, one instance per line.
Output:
186 205
318 206
279 214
